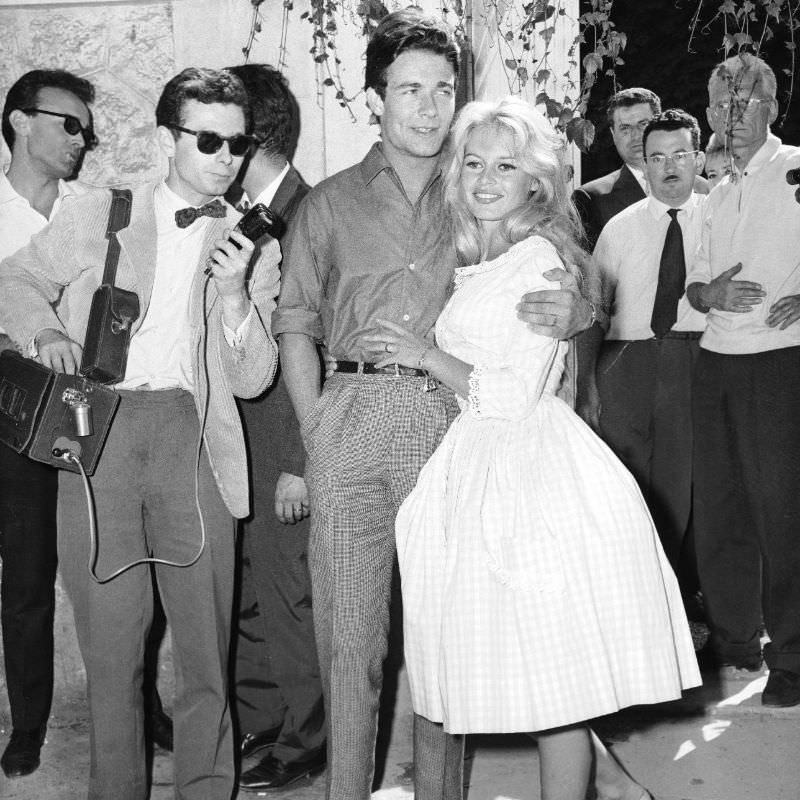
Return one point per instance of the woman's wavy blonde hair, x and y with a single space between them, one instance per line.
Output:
540 151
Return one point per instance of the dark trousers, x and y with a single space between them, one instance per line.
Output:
146 496
28 495
277 672
367 439
646 396
747 501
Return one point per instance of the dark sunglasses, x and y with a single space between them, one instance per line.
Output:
72 125
209 142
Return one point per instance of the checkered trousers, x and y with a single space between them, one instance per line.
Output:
367 439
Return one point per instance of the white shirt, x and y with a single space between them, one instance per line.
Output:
628 255
639 175
19 220
268 193
159 356
754 220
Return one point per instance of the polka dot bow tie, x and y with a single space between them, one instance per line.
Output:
184 217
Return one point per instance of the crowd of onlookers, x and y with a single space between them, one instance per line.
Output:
438 312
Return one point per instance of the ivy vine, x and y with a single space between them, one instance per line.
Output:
524 32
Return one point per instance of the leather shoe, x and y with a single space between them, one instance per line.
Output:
782 689
21 756
253 742
270 773
159 728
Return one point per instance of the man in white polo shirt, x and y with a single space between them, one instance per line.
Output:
747 388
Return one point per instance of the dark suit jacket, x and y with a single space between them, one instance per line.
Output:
603 198
271 427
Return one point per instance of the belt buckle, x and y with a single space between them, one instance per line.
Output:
429 384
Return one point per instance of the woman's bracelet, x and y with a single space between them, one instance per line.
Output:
421 362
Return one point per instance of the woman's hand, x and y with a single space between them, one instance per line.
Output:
394 344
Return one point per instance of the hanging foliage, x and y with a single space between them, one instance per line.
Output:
525 35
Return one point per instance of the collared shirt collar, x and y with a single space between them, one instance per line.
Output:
267 195
376 162
639 175
659 209
764 154
9 194
167 202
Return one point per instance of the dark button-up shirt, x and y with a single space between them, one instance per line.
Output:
359 250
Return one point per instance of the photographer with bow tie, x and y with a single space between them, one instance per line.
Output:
172 475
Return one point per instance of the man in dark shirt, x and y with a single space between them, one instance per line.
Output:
276 674
372 242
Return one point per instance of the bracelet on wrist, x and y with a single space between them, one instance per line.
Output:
423 356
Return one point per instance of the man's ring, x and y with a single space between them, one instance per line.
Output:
388 349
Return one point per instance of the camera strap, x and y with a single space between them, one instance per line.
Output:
118 218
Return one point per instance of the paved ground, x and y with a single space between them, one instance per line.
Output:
718 743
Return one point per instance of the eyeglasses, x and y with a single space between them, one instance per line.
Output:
740 106
209 142
72 125
678 159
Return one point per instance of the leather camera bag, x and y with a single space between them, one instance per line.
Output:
114 310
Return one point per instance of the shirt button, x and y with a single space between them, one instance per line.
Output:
412 266
406 318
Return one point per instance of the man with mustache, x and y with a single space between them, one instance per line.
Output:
644 372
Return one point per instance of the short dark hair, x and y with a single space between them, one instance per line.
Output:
273 108
25 93
400 31
204 85
673 119
625 98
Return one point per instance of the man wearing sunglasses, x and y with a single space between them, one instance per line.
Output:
47 124
44 154
644 372
173 471
747 427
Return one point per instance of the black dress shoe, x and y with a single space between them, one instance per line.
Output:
253 742
21 756
782 689
270 773
158 725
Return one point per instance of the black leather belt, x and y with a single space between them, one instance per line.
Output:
366 368
682 335
690 335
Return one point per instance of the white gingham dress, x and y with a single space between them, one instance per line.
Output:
535 590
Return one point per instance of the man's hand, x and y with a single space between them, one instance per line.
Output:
291 499
58 352
558 313
227 265
784 312
726 294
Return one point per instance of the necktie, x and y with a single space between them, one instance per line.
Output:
184 217
671 279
